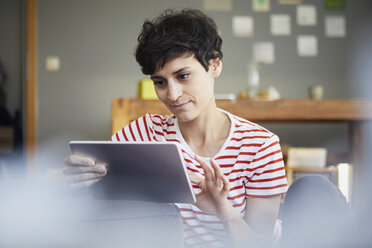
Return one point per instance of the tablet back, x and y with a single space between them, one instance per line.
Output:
139 171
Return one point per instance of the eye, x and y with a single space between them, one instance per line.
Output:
159 83
184 75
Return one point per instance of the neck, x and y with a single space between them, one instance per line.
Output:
210 126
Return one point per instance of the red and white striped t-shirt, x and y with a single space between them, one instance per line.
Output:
250 158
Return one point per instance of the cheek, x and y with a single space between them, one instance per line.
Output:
206 87
161 94
202 92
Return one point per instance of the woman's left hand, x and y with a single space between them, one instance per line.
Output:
214 190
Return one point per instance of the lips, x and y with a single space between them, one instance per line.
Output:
181 105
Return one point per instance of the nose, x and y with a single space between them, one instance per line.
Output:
174 91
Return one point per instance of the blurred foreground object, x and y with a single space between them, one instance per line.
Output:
39 215
315 214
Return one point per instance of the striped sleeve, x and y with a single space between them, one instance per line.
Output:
268 178
138 130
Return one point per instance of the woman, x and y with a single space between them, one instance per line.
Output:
236 166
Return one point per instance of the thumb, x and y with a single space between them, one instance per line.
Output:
197 180
194 178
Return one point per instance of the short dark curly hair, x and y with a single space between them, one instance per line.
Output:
175 33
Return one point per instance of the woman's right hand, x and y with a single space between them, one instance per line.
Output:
81 171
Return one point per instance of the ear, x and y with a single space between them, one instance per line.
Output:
216 66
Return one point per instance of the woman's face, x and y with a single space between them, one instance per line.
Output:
185 87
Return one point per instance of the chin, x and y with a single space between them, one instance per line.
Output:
185 117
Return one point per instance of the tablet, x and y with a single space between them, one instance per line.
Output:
148 171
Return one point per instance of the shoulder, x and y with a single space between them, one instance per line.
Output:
251 137
243 127
144 128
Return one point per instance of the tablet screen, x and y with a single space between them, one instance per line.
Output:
148 171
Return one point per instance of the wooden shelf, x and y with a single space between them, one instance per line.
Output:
286 110
300 109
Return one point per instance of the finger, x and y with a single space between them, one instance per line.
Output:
194 178
199 194
74 169
83 177
75 159
198 181
85 184
226 184
220 176
208 171
216 169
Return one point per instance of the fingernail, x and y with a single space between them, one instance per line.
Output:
102 170
90 162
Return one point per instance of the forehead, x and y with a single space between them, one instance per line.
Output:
173 64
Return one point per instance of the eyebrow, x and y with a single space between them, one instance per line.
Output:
173 73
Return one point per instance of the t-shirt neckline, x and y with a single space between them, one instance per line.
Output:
188 148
